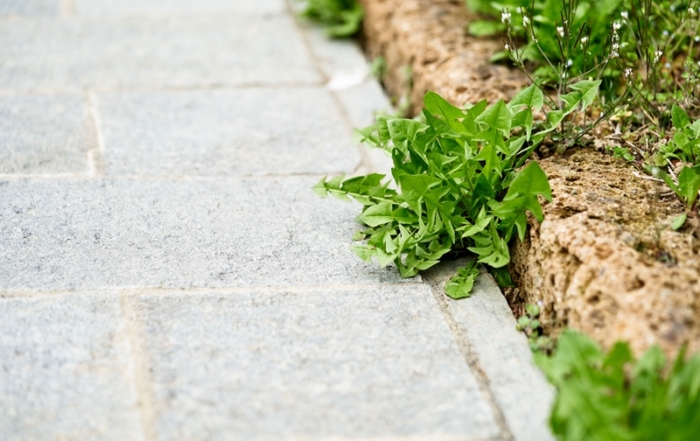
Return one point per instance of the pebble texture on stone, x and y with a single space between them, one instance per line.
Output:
166 272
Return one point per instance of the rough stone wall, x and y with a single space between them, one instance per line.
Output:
428 38
605 260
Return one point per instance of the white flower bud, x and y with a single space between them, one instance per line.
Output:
505 16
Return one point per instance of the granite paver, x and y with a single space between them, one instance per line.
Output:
29 7
254 131
45 134
65 370
79 234
111 8
155 53
333 363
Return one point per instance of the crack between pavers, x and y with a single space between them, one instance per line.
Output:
139 365
470 357
156 88
213 178
135 291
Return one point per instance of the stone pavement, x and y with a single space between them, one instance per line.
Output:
166 273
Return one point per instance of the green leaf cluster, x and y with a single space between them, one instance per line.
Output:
342 18
530 325
685 144
457 182
611 396
687 186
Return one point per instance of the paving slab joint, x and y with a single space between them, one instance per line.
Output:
67 8
139 359
436 278
96 158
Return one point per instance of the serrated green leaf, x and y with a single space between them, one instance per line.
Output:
498 117
555 118
452 115
461 284
482 221
383 129
376 215
403 130
588 91
363 252
530 97
530 181
320 188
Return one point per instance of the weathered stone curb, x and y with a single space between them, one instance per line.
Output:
485 326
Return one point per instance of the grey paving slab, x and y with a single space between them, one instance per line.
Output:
45 134
177 52
65 370
103 8
330 364
256 131
348 76
335 57
75 234
30 7
519 387
364 101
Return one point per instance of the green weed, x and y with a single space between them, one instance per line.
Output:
457 183
530 325
613 396
342 18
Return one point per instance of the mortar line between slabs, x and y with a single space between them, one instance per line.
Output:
67 8
96 156
470 358
134 291
214 178
143 384
365 161
156 89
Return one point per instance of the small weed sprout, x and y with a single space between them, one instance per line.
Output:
530 325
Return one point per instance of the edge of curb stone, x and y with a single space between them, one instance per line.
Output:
501 353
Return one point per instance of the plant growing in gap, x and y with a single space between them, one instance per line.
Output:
458 186
530 325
